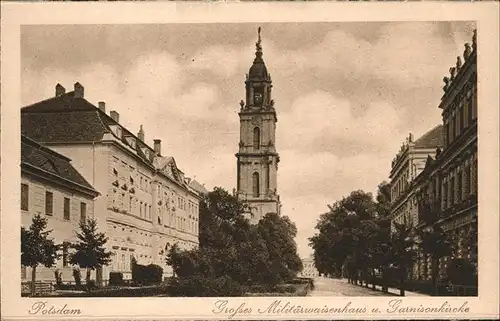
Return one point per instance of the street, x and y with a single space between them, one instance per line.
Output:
337 287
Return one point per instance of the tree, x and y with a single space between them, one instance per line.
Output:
37 248
383 198
278 233
90 252
234 253
402 253
435 243
344 235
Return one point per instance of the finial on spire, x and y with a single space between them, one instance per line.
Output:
258 52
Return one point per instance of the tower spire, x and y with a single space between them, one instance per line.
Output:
258 46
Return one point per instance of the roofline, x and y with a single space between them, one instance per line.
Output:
56 179
428 133
130 134
25 139
47 99
459 77
124 149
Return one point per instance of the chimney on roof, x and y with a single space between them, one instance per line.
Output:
78 90
115 116
102 106
60 90
140 134
157 146
410 138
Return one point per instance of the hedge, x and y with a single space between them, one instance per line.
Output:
147 274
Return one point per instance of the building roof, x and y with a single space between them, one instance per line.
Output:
66 126
62 103
432 139
52 163
69 118
198 187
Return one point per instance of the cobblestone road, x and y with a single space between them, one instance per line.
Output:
336 287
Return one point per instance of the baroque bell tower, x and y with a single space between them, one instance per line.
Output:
257 158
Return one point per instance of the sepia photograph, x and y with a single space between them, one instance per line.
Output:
269 168
142 174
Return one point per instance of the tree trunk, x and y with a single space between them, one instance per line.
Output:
374 279
33 280
435 267
87 279
402 282
385 289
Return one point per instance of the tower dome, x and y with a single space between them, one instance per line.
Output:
258 71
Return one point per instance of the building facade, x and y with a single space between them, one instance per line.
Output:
444 193
146 203
257 158
309 269
52 188
449 199
406 166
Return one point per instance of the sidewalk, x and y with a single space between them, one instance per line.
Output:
392 291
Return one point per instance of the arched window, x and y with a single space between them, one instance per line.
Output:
255 184
256 138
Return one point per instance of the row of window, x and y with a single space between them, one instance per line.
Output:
400 186
460 183
125 172
143 209
180 223
49 204
462 117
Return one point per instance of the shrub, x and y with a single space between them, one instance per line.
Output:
288 288
204 287
147 274
116 278
91 284
259 288
461 272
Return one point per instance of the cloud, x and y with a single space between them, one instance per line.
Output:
324 119
224 61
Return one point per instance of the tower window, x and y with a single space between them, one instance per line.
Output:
256 138
255 184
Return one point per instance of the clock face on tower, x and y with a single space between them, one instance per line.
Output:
257 99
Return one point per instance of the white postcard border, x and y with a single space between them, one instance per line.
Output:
16 14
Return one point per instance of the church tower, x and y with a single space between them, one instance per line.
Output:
257 159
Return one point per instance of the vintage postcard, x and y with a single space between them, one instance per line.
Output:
213 161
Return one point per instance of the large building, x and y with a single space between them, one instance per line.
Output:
52 188
146 203
406 166
257 158
444 192
450 195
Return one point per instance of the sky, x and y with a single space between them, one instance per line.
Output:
347 94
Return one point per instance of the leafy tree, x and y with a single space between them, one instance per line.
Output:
344 235
90 252
383 198
37 248
278 233
435 243
233 251
402 252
